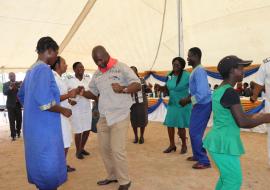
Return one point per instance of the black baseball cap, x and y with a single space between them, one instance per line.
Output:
229 62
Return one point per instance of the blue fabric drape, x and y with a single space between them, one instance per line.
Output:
158 77
152 108
216 75
212 74
257 109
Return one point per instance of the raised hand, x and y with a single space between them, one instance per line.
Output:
253 99
150 85
72 93
13 86
80 90
157 87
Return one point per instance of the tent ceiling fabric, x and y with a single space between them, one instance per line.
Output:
130 30
226 27
24 22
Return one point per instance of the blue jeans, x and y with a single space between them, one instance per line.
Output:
200 115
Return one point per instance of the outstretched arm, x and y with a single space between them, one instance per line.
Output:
89 95
248 121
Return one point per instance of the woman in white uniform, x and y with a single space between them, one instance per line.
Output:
81 110
60 68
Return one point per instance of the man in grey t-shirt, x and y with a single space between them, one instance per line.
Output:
113 82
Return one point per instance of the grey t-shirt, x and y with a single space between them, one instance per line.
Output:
113 106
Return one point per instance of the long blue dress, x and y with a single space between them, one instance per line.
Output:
44 148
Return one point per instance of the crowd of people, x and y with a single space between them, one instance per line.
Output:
244 89
57 106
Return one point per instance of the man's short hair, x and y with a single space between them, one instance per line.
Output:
196 51
75 64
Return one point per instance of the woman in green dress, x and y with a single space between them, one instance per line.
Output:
176 87
223 142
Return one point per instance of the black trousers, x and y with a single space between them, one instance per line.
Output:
15 120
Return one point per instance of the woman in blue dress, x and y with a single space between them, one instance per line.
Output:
40 96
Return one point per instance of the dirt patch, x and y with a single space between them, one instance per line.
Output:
150 169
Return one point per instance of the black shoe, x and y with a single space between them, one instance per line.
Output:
192 159
170 149
13 139
199 166
18 135
70 169
80 156
106 182
183 150
135 141
85 153
124 187
141 141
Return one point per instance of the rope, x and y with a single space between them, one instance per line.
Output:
161 34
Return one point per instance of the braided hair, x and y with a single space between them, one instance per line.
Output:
183 64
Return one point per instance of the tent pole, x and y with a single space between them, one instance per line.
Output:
180 29
76 25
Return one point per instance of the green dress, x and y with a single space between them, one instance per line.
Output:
178 116
224 137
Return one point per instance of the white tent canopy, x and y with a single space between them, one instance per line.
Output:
130 30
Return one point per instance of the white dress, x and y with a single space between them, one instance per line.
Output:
65 122
81 118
